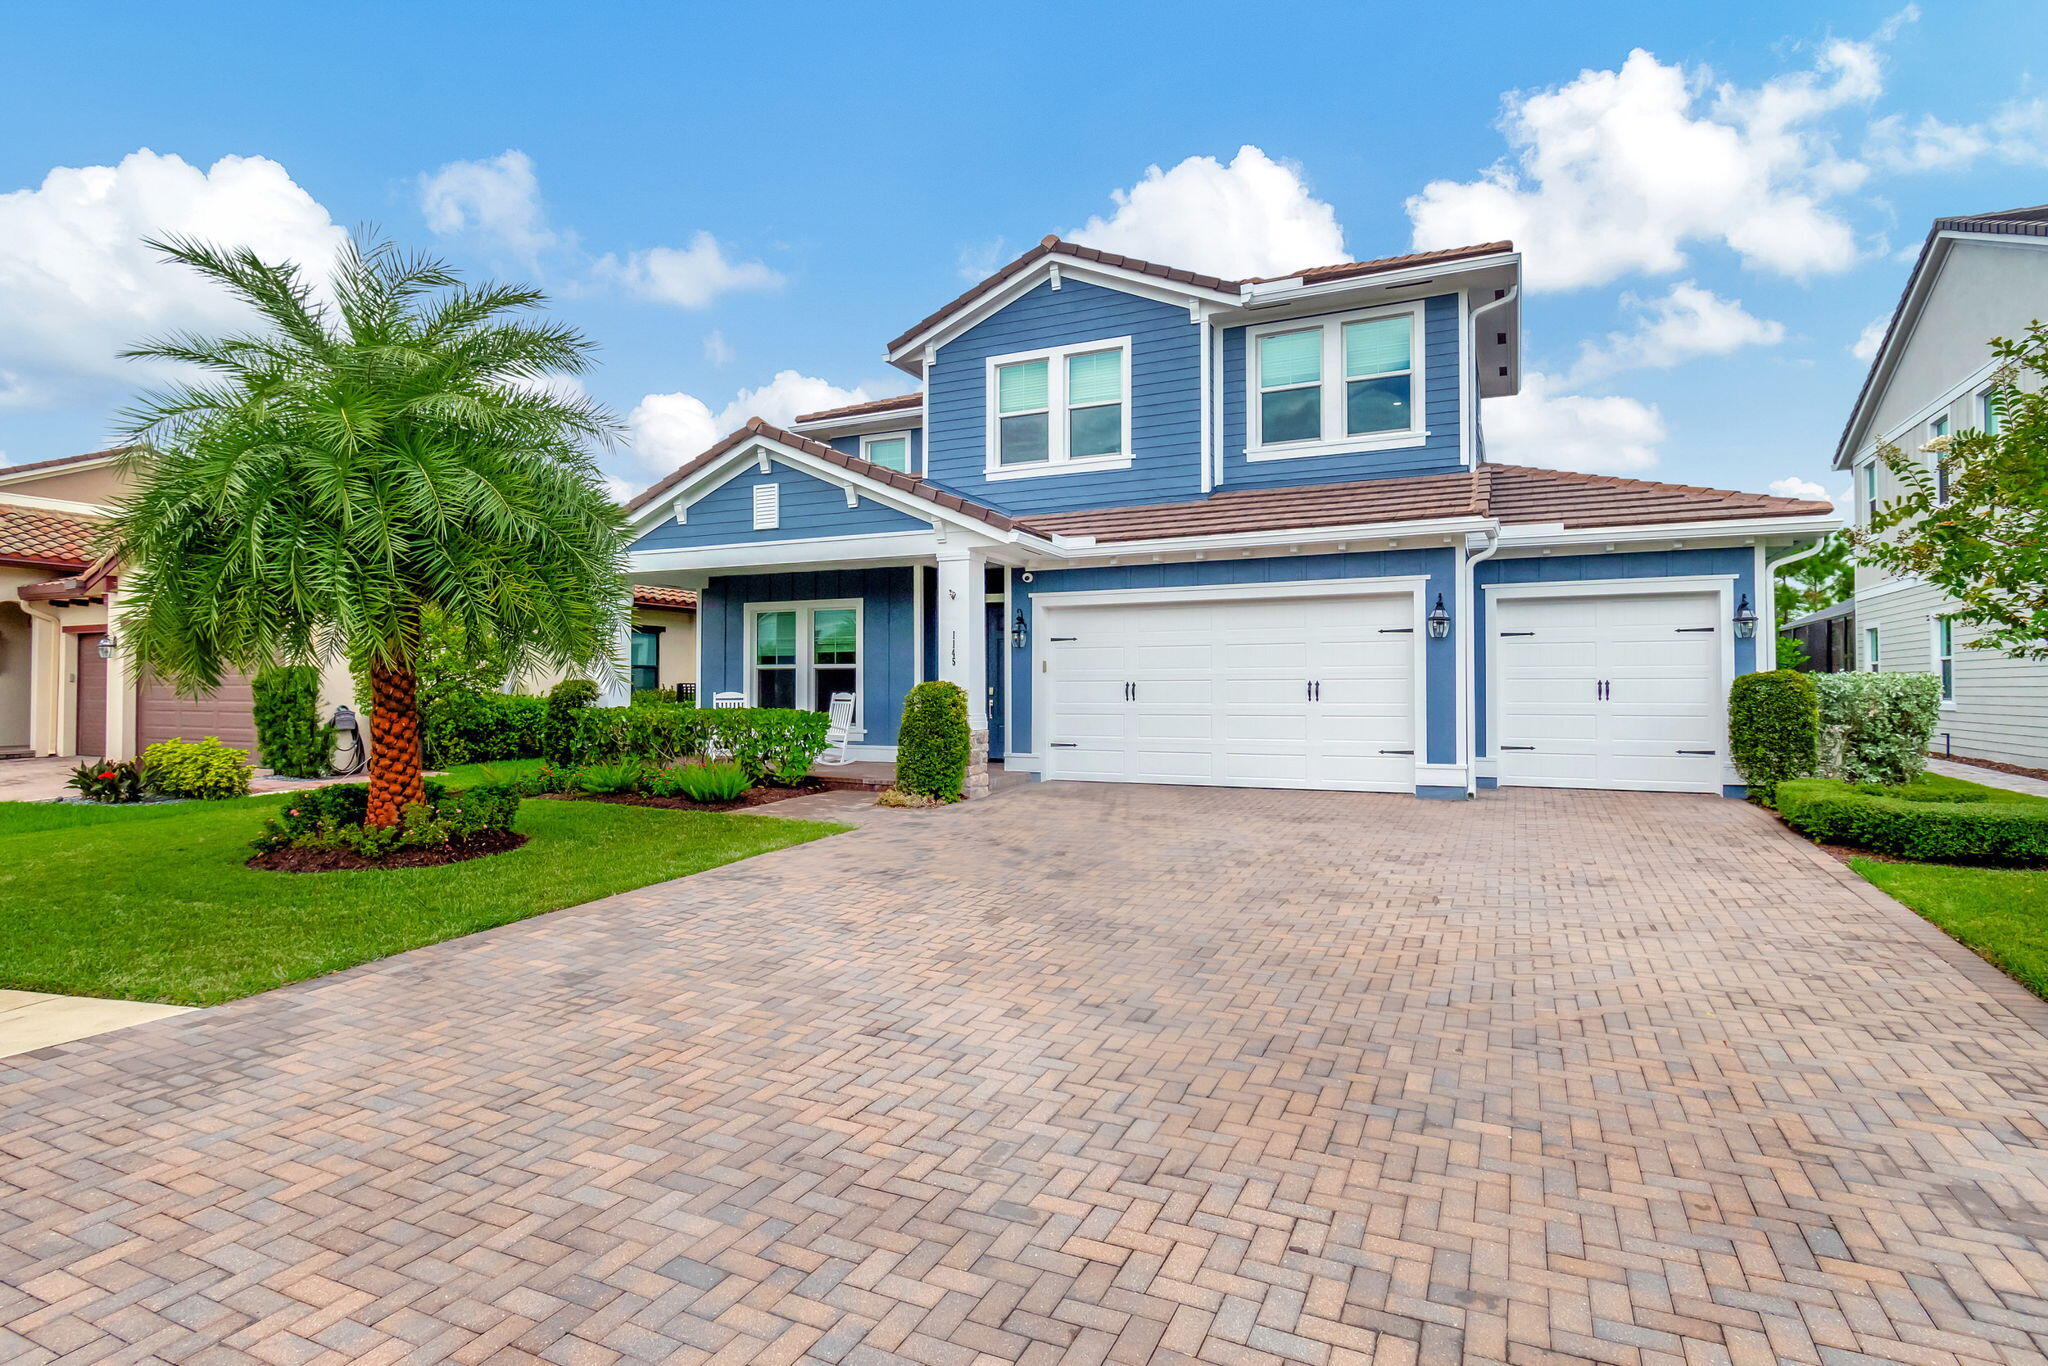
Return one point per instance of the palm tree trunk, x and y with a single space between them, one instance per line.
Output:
395 781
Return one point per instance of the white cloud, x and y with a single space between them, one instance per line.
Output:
717 349
499 198
979 261
1794 487
1870 338
1254 216
2017 132
688 277
1685 323
664 430
1621 171
77 284
1597 435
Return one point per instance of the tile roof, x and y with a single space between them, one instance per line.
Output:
873 405
670 599
9 471
1515 494
44 538
908 483
1051 246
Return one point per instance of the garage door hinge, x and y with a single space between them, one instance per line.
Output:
1064 744
1066 637
1518 746
1397 751
1518 633
1397 630
1681 630
1698 751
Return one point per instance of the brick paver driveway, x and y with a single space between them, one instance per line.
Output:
1086 1073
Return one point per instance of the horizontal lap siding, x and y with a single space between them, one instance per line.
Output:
1651 564
1440 694
2001 704
810 507
1441 452
887 640
1166 400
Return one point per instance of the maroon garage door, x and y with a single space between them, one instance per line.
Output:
160 714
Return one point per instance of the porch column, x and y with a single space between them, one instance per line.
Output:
121 686
615 678
963 651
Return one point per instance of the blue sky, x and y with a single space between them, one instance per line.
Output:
741 204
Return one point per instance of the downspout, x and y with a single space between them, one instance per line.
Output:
1767 590
1468 654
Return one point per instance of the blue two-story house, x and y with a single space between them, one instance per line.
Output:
1169 528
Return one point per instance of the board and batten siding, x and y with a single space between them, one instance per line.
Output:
1165 400
888 656
1439 453
809 507
2000 709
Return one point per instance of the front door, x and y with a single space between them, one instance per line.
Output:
997 644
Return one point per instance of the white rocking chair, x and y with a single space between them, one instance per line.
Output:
838 730
728 699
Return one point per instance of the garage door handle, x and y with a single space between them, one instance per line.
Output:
1698 751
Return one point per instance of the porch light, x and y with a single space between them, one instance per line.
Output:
108 645
1745 619
1020 631
1439 619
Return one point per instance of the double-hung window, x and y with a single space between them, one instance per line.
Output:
1352 382
1867 476
646 657
1936 430
1871 662
890 450
1945 655
803 652
1063 408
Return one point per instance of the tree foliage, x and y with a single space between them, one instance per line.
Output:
1822 579
1974 518
381 460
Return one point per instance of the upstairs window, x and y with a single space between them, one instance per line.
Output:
890 450
1059 409
1987 411
1351 382
1935 431
1867 476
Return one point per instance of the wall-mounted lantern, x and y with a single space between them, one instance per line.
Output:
1439 619
108 645
1745 619
1020 631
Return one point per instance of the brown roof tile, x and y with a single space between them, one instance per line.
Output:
669 599
1345 269
908 483
873 405
1515 494
28 536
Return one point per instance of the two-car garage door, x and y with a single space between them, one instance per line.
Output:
1315 692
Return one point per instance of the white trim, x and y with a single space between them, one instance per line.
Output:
767 507
1934 623
1530 535
1201 322
902 434
1468 371
830 428
1613 588
1416 586
10 498
1272 293
1873 651
1332 385
1441 775
1057 411
1448 530
805 667
869 547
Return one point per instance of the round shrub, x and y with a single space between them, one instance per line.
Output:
206 769
1876 727
290 736
932 746
558 732
1773 729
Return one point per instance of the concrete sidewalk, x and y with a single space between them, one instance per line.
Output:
36 1019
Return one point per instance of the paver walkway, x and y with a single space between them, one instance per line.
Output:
1083 1074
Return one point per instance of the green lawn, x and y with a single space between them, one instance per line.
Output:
152 903
2002 913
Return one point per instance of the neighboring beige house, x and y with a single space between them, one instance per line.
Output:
66 686
1978 277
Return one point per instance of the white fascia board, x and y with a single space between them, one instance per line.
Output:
1451 530
64 505
1542 535
1273 293
888 547
888 420
909 356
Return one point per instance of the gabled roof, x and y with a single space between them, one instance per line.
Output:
896 479
29 536
873 405
1512 494
2027 222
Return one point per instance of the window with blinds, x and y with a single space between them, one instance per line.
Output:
1317 383
1064 406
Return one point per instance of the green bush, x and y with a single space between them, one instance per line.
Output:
1773 729
654 697
332 818
291 739
1961 823
1875 727
476 728
206 769
558 731
109 781
658 733
607 779
770 743
933 744
719 780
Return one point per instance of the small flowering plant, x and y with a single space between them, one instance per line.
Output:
108 780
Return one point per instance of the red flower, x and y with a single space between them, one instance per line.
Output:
106 775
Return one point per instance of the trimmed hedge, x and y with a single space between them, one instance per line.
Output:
932 746
290 736
565 700
474 728
775 743
1939 822
1876 727
1773 729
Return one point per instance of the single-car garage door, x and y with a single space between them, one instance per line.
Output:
1620 691
228 712
1314 692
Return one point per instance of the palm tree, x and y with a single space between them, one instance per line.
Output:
388 451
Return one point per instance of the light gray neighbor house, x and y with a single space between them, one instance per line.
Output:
1978 277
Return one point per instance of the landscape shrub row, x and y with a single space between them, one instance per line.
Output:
1939 822
332 818
1855 727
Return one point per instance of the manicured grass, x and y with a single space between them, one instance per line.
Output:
2001 913
152 903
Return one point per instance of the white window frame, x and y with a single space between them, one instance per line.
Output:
1057 460
1866 492
909 448
1987 411
1936 430
1873 650
1948 675
806 648
1333 386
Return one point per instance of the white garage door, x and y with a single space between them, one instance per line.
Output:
1298 692
1612 692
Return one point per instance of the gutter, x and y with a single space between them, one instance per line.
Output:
1768 591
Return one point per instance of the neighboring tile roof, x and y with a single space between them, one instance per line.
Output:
1515 494
9 471
873 405
908 483
44 538
668 599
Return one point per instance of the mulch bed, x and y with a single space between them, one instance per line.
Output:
2016 770
347 861
754 796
